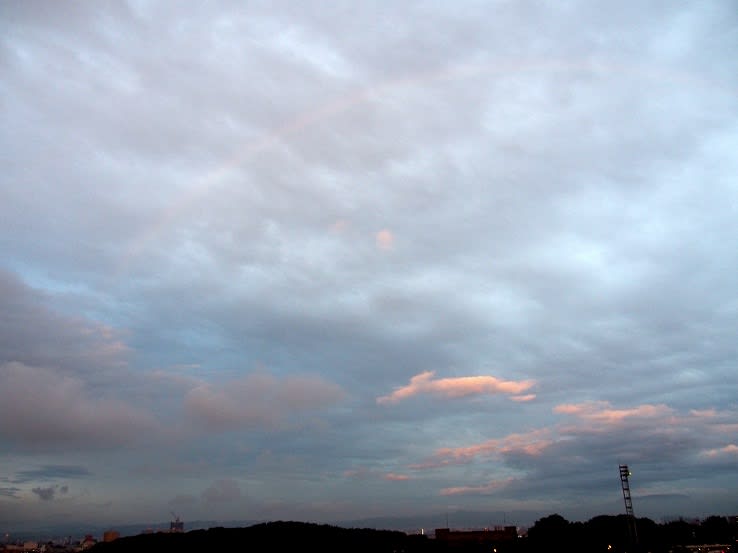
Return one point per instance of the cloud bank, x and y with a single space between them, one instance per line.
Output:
235 237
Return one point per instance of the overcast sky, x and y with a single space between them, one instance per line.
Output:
333 260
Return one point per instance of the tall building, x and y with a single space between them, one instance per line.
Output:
176 525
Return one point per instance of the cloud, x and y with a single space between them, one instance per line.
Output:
51 472
531 444
728 451
543 202
260 400
600 412
9 491
458 387
394 477
33 334
485 489
727 427
645 435
385 239
45 494
360 473
523 398
658 421
49 493
41 408
184 499
339 226
223 491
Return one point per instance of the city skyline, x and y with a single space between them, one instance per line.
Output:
339 261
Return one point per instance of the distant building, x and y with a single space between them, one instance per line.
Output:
176 525
110 535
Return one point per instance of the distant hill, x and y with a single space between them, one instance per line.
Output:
415 524
458 520
274 536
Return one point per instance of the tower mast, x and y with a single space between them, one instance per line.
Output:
624 473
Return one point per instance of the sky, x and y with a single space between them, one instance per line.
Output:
330 261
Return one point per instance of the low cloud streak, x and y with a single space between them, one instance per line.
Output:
458 387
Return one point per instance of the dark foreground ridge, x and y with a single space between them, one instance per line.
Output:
270 536
605 534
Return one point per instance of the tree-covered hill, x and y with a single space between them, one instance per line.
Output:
270 536
553 533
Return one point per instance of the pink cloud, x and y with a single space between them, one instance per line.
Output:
728 450
395 477
531 444
478 490
657 423
434 463
523 398
385 239
339 225
727 428
705 414
602 412
424 383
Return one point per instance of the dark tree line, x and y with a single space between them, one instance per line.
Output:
270 536
605 534
611 534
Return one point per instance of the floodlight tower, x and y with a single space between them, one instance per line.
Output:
624 473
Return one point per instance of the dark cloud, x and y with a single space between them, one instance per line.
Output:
9 491
51 472
45 494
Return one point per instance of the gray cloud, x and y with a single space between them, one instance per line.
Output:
42 409
32 333
223 491
50 472
259 399
9 491
45 494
